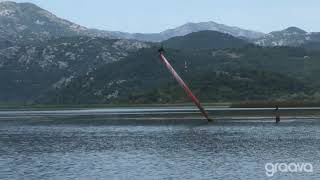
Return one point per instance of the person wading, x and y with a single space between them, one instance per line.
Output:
277 114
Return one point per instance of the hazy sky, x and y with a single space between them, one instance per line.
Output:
155 16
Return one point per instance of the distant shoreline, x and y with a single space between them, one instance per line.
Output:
161 113
81 106
242 104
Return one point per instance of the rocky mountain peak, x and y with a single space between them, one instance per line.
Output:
212 26
25 22
291 36
295 30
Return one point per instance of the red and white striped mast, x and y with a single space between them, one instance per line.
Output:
183 84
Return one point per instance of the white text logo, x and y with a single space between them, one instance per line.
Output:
273 168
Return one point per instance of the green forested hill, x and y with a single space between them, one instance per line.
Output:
205 40
84 70
28 70
250 73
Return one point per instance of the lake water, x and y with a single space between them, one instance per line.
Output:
94 148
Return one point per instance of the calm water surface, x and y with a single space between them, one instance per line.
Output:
93 148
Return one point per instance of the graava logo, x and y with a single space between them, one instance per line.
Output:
272 169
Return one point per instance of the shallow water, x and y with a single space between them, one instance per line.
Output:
93 148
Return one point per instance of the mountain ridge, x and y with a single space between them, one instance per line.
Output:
291 36
188 28
205 40
28 22
25 22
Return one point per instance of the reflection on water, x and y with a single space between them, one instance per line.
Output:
97 149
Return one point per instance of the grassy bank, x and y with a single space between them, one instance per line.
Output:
80 106
272 104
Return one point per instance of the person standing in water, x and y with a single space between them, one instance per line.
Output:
277 114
